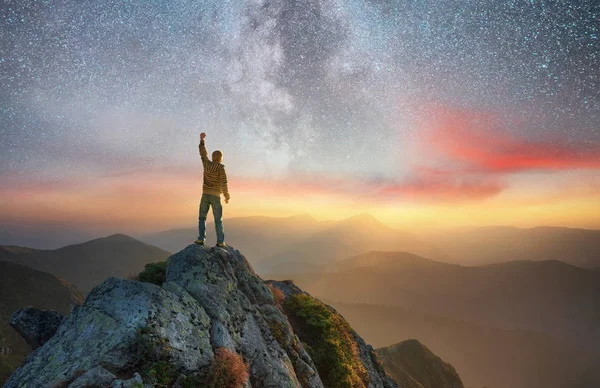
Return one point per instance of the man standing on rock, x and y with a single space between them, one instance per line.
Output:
215 183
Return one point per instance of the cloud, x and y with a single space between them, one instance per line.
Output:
431 184
478 142
424 186
466 154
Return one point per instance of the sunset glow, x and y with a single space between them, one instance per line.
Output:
413 122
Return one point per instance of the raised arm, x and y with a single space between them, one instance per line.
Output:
223 181
202 148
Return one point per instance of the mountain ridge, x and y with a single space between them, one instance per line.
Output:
89 263
550 297
484 356
342 239
470 246
483 245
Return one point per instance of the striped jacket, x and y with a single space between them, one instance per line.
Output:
215 178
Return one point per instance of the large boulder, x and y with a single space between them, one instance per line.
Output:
36 326
107 329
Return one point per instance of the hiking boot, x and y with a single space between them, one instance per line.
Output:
199 242
222 245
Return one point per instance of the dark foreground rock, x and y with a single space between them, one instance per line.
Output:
213 320
36 326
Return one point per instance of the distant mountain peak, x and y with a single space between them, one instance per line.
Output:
413 365
111 239
89 263
364 218
301 217
119 237
412 345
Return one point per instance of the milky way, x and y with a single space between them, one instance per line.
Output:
91 88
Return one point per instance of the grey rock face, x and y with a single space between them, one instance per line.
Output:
103 330
211 299
131 383
36 326
377 377
241 308
97 376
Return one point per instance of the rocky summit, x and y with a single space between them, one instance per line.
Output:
210 321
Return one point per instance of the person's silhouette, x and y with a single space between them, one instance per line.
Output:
215 183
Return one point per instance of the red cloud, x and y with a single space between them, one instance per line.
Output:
438 184
478 142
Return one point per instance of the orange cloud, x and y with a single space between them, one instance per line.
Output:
425 185
436 185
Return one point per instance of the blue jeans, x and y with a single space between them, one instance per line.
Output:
214 201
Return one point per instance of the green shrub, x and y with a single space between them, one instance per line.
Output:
160 373
278 331
330 342
155 273
227 370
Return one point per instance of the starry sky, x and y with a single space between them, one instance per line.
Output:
424 113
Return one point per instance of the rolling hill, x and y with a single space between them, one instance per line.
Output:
482 356
259 237
88 264
298 243
302 244
548 297
47 235
352 236
497 244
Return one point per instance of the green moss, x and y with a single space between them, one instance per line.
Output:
160 373
278 332
192 381
153 359
155 273
330 342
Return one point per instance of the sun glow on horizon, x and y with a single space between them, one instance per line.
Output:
154 202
